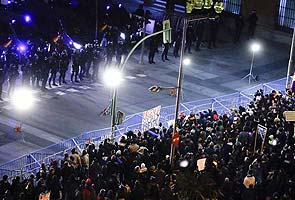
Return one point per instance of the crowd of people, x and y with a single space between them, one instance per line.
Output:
137 166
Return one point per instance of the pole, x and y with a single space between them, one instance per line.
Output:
290 61
179 85
142 46
96 19
255 142
251 68
113 114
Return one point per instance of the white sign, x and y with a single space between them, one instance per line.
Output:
261 130
151 118
201 164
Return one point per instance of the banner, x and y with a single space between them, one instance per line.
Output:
201 164
151 118
45 196
261 131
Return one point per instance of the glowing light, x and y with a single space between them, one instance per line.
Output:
113 77
120 5
108 7
186 61
27 18
22 48
77 46
184 163
255 47
123 36
23 99
13 21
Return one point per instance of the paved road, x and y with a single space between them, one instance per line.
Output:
67 111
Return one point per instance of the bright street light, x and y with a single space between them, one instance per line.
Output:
186 61
255 47
27 18
113 77
23 99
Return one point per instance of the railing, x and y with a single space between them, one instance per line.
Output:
31 163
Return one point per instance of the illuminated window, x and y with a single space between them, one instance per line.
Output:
286 13
232 6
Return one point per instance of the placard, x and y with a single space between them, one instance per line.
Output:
151 118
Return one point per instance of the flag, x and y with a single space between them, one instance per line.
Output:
55 39
106 111
8 44
175 139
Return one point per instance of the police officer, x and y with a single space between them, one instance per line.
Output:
26 69
252 20
239 24
64 63
45 69
109 52
75 67
35 70
119 52
177 43
189 39
200 34
96 61
213 28
89 59
83 60
153 49
12 76
165 52
54 65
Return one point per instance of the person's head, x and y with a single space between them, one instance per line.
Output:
5 178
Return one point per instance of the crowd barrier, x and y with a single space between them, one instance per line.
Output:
28 164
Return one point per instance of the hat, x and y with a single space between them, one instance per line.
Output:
88 181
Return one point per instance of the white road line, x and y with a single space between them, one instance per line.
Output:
130 77
141 75
84 87
60 93
72 90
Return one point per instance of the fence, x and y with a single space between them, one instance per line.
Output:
31 163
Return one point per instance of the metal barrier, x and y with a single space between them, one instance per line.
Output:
31 163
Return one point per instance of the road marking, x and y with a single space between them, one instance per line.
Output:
8 107
46 96
60 93
84 87
72 90
130 77
141 75
96 84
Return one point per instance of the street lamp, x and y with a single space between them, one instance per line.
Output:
186 61
255 47
23 99
113 78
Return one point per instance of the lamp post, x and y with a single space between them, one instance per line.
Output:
290 61
180 78
113 78
255 47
